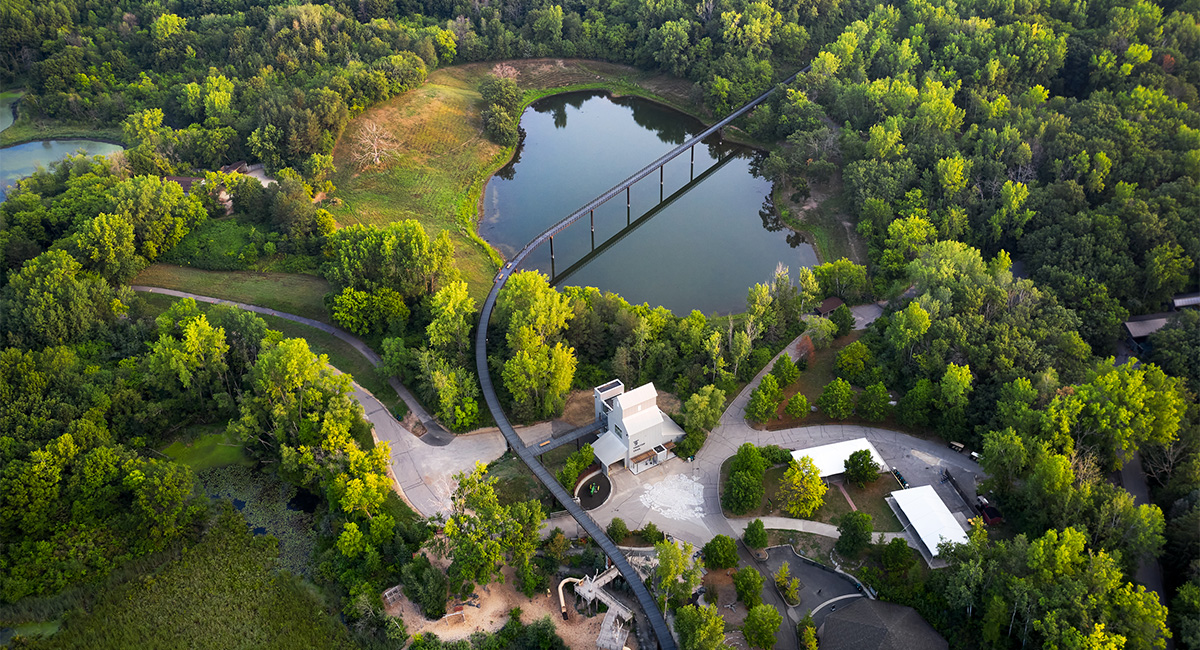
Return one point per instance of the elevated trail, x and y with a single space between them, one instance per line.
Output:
529 454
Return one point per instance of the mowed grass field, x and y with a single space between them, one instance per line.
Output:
444 159
294 293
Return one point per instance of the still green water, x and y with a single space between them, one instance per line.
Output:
19 161
712 238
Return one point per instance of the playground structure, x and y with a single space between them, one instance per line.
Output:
615 628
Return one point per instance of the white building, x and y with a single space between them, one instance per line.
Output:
638 434
929 517
830 459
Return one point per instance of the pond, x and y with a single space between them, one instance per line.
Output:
19 161
712 236
8 114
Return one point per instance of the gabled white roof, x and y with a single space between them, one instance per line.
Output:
831 459
609 449
645 393
641 420
929 516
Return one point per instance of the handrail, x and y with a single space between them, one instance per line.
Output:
642 173
589 525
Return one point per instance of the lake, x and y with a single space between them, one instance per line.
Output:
711 238
19 161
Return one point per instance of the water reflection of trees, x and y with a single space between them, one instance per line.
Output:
556 105
509 171
772 223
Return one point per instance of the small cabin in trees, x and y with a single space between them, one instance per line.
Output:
638 435
828 306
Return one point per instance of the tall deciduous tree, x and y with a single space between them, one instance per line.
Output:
802 489
854 533
49 302
861 468
476 531
453 314
755 535
700 628
677 576
762 622
748 583
837 400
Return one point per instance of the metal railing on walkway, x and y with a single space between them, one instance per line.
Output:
529 455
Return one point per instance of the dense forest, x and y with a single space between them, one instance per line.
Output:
1025 176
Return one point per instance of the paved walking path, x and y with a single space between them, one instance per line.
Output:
842 488
424 473
425 466
435 434
802 525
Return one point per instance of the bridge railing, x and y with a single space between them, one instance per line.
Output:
587 523
642 173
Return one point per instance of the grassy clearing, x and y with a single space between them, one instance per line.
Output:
810 545
811 383
222 593
825 216
444 159
297 294
868 499
517 483
25 130
871 500
206 446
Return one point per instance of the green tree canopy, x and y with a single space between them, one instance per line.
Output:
802 489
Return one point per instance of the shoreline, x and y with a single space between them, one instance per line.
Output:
613 91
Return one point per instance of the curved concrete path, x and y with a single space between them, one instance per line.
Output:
921 462
424 472
435 434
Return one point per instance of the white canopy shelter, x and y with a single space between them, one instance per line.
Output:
609 449
831 459
929 516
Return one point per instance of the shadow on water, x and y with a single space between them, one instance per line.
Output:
700 250
304 501
772 223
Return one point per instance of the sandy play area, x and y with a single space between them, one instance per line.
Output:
579 633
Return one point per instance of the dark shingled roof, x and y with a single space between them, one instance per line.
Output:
828 305
876 625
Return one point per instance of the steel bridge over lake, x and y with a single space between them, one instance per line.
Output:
529 455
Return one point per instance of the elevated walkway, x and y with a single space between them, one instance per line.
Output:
568 437
658 623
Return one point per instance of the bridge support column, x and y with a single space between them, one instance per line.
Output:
593 217
628 209
693 172
660 181
552 257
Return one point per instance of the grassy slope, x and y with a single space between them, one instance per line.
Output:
444 159
24 130
288 292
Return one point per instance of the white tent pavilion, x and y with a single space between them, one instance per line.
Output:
929 517
831 459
